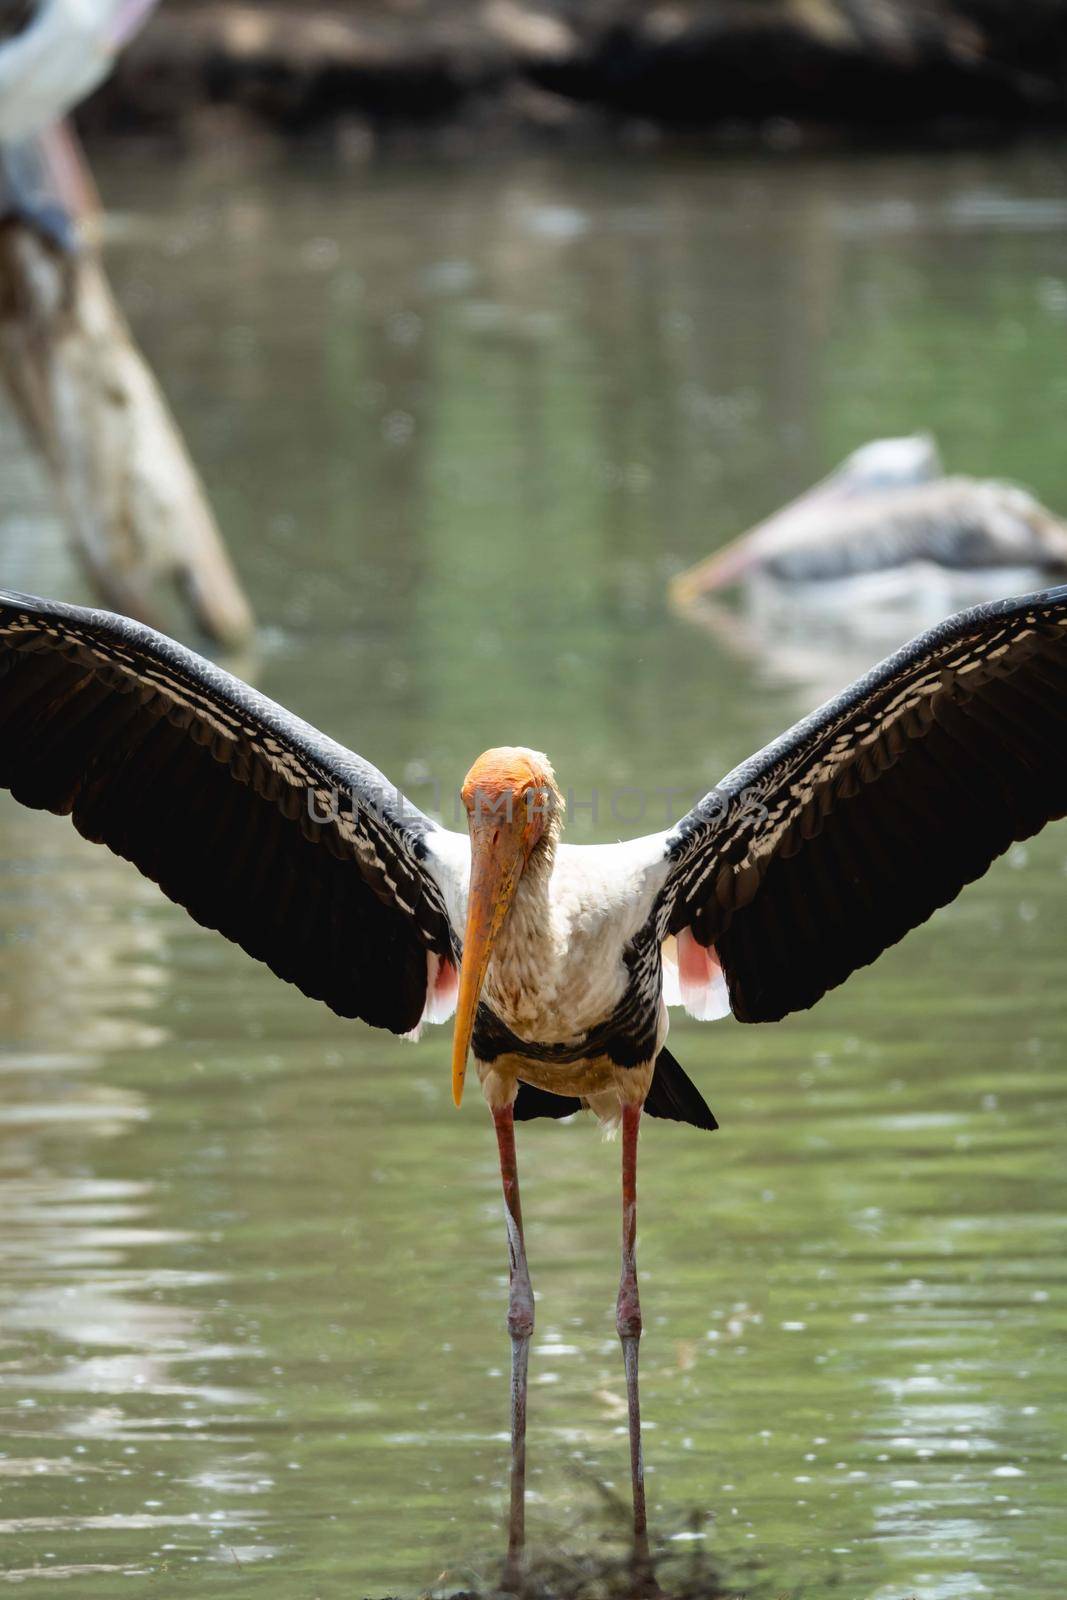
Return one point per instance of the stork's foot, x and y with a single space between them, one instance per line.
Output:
643 1584
637 1456
520 1355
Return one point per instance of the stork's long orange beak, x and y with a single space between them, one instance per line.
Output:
498 856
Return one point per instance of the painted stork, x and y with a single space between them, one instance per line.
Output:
52 54
559 961
889 509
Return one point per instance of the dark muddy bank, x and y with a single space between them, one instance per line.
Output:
515 68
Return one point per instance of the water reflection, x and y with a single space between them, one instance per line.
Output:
102 1349
31 531
817 643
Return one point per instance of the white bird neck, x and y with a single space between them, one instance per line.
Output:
526 937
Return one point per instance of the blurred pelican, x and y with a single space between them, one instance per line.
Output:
889 509
883 547
52 54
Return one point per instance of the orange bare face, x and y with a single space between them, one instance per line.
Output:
509 795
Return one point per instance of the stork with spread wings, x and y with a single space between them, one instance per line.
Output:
559 961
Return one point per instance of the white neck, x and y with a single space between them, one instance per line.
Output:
527 946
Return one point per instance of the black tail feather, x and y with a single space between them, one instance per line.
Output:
673 1096
531 1102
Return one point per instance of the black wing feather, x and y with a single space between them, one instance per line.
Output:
226 801
818 853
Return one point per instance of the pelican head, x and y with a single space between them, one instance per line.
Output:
512 802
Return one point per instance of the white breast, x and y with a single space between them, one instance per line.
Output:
558 967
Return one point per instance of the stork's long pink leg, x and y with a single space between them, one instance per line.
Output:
520 1325
628 1318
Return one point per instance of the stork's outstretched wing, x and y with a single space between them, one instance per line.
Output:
257 824
812 857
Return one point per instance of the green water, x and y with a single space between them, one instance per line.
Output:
460 427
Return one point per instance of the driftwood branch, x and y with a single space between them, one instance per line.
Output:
137 511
